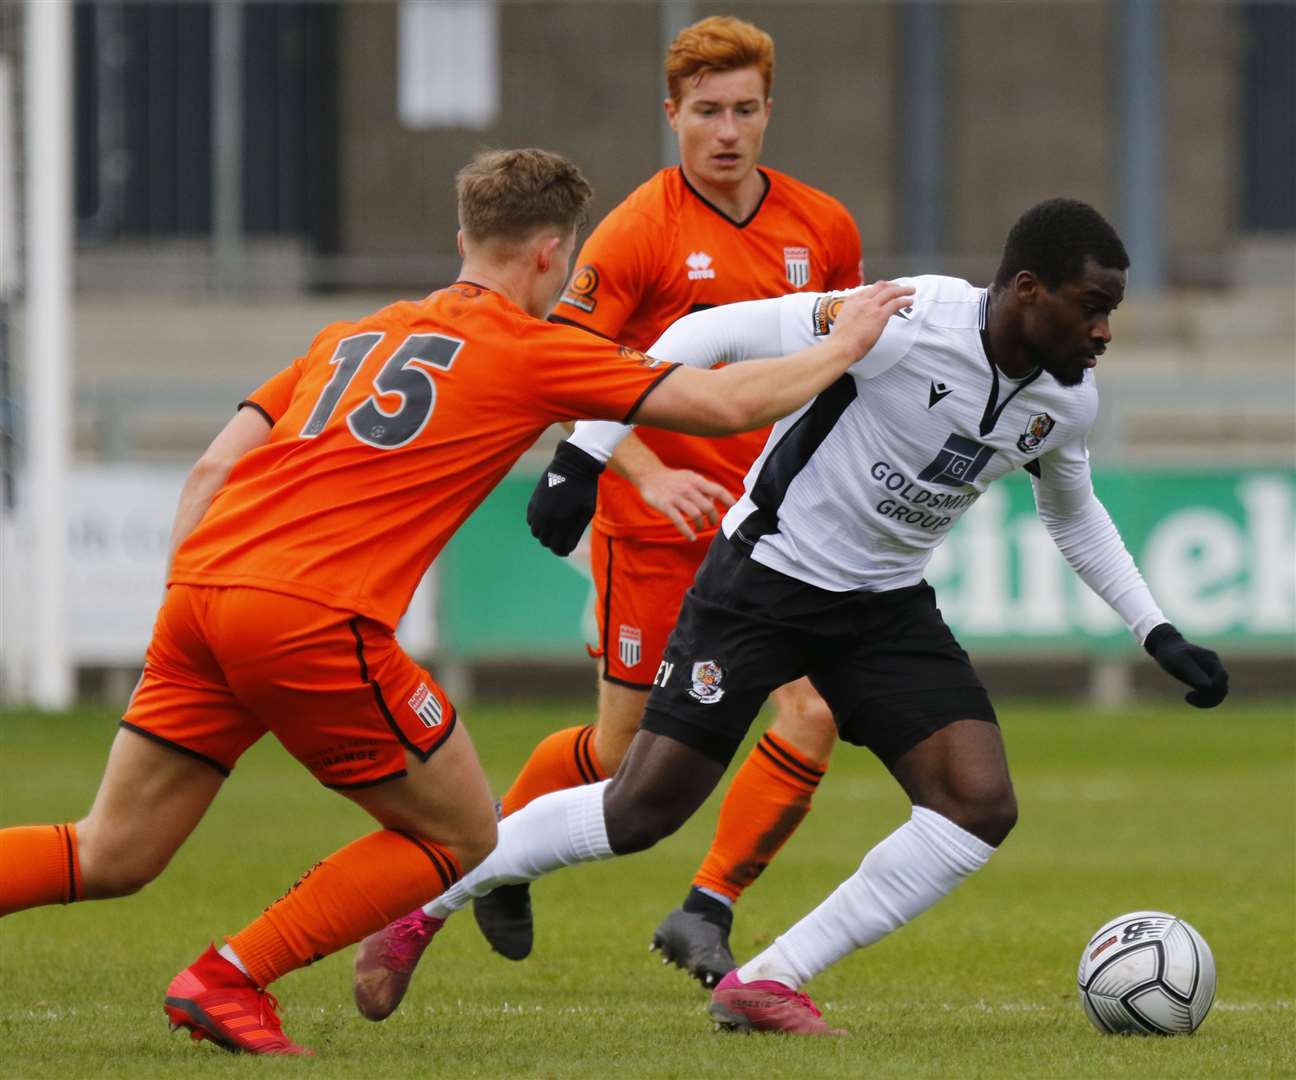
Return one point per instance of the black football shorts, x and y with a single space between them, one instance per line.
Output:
885 662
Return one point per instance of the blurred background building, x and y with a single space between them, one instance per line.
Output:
244 172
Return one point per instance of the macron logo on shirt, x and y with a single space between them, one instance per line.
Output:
555 479
699 264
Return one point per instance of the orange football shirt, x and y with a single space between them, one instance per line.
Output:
664 252
387 434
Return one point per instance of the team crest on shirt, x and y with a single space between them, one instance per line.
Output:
796 263
426 707
707 676
630 645
1037 430
581 289
825 314
700 268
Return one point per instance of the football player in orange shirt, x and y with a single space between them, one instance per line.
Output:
300 537
718 229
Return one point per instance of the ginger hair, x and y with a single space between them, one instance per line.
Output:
719 43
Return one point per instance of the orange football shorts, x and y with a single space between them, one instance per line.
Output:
639 586
226 665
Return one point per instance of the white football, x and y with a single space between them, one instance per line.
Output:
1146 973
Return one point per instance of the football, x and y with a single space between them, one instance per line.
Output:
1146 973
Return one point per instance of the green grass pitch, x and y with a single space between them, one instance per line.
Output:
1168 808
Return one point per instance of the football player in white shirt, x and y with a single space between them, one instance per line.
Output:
819 573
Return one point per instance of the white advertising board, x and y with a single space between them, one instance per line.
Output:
119 523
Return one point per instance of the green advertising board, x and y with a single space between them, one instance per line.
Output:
1217 547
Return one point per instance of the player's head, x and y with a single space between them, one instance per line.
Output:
1065 267
718 74
524 206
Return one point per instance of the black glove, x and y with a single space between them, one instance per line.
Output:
564 497
1199 668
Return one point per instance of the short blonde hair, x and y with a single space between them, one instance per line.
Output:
719 43
507 194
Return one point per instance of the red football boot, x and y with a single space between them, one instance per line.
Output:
216 1001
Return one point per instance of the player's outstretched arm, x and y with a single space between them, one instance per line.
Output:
247 430
741 397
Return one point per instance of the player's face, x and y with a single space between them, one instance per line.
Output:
720 120
1066 329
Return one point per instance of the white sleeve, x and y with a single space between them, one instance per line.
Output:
729 333
1087 538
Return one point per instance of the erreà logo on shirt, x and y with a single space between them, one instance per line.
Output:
699 264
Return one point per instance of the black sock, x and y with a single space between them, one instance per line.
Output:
712 910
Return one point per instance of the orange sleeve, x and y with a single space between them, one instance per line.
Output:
576 376
272 397
611 274
847 269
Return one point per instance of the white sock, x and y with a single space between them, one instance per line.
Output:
559 829
233 957
902 877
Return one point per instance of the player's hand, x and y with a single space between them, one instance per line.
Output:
563 501
689 499
1191 664
864 314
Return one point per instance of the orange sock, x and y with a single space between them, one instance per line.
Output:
344 898
768 799
38 865
562 760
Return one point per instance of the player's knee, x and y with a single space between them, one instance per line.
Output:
610 745
988 814
473 844
808 726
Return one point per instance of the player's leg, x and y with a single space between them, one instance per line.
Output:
344 699
638 589
148 803
910 694
770 794
438 820
767 800
181 734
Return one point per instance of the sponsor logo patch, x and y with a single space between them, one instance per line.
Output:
699 264
1037 430
627 353
553 479
426 706
707 676
581 289
630 645
825 313
796 263
959 462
